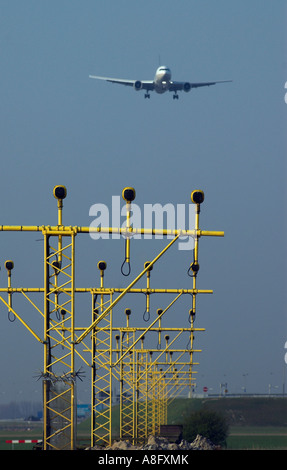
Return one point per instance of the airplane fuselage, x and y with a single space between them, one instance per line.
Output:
162 79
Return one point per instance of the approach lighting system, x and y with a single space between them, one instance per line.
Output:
147 357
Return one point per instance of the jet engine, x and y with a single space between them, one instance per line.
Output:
187 87
138 85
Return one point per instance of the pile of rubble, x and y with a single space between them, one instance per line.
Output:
160 443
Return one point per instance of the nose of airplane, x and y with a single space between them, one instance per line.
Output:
164 72
167 74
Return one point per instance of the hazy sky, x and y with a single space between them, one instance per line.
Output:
60 127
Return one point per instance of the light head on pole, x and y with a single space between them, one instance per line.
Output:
197 196
191 313
129 194
147 263
56 265
102 265
60 192
194 267
9 265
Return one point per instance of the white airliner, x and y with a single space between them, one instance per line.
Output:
160 84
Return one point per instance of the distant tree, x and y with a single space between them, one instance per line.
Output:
208 424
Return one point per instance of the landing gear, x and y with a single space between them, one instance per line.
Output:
175 96
147 95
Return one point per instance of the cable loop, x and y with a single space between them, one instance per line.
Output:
129 268
146 315
11 316
188 272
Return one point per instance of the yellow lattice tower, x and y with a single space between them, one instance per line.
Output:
101 379
59 343
141 427
127 384
59 373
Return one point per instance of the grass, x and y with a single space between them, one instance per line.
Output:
255 423
247 411
19 429
257 438
240 437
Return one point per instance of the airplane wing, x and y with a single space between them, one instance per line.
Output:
139 84
186 86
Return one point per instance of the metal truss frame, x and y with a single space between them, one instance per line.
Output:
149 378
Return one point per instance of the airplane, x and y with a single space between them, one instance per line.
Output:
160 84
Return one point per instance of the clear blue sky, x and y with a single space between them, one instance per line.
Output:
60 127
